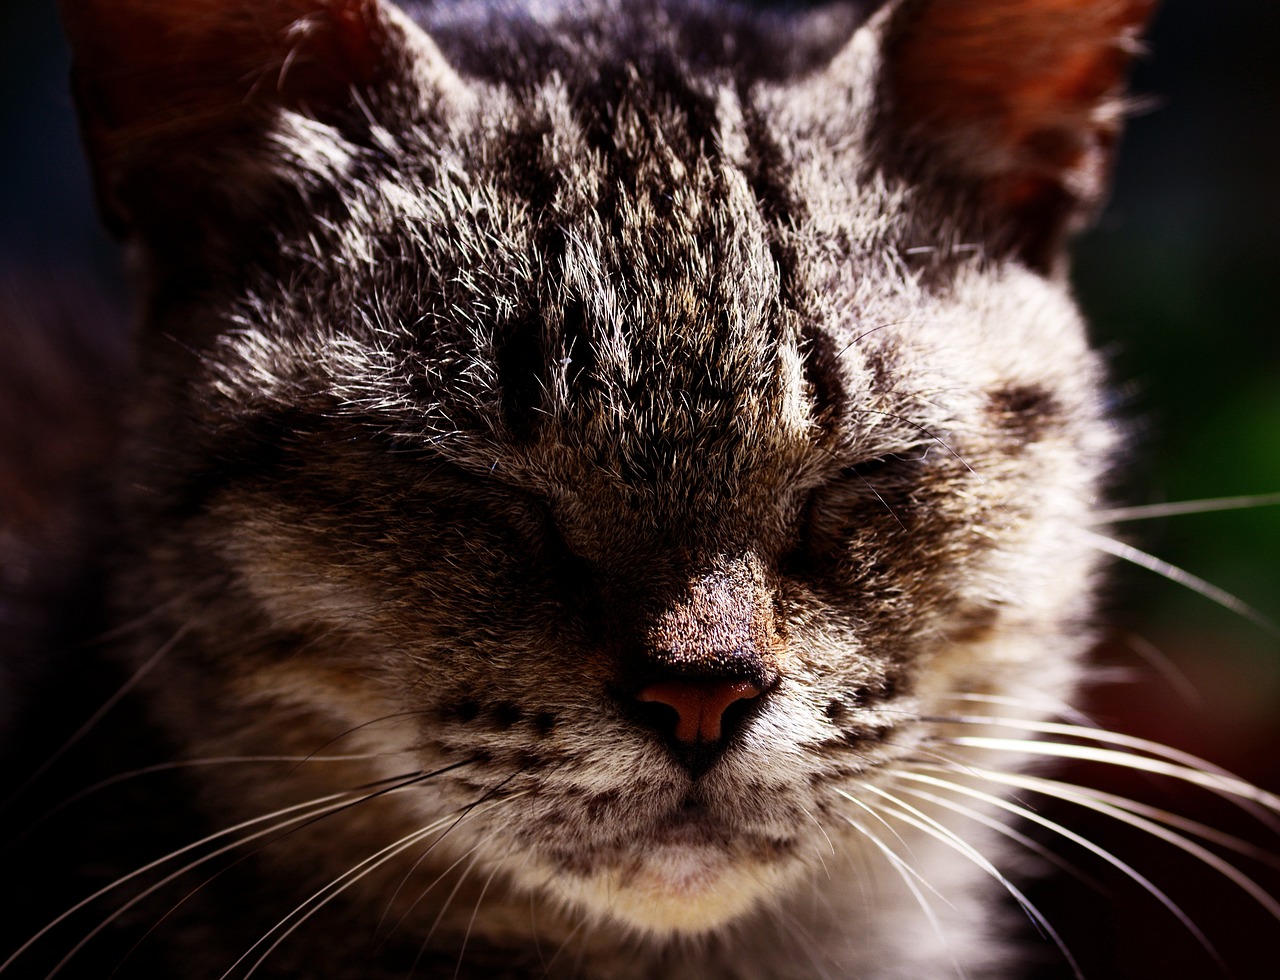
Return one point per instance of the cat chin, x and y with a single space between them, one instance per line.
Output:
677 889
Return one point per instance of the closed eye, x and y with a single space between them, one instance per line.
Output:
869 468
895 467
850 509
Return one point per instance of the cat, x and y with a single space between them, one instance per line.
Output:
609 489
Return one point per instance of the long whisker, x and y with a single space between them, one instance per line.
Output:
1028 814
564 944
823 831
468 855
1184 759
1210 591
352 875
874 814
337 886
474 854
134 679
161 767
1223 784
1085 732
871 811
1002 828
363 725
1053 706
1181 508
923 430
312 806
1211 834
314 810
803 941
191 595
921 821
311 809
466 936
909 876
1082 796
487 795
1163 664
318 899
1203 831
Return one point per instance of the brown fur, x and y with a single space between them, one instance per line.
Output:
499 375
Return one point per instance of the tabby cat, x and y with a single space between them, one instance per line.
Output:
609 489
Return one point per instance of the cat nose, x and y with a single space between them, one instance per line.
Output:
699 706
697 716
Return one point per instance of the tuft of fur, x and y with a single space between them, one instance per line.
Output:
497 360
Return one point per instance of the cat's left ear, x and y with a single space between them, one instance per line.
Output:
1013 104
186 107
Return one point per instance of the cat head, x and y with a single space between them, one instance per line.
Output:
657 425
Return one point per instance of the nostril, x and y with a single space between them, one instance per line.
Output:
699 705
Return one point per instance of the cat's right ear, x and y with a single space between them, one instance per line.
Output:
1013 106
200 115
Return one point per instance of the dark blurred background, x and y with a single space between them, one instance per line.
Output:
1179 279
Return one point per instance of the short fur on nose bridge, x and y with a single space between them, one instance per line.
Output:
699 704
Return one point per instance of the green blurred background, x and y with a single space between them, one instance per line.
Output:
1179 278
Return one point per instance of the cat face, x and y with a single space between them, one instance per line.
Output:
651 446
517 574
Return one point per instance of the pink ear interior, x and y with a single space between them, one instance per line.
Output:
1021 95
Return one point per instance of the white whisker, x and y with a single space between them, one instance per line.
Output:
1224 784
564 944
404 879
134 679
921 821
874 814
319 805
1163 664
1090 799
910 877
1002 828
1193 827
173 876
468 855
1214 836
161 767
1191 762
322 896
823 831
422 857
1210 591
1144 512
471 923
1028 814
474 855
1038 705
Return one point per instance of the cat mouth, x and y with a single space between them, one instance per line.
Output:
694 824
692 845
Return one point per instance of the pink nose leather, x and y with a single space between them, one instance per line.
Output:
699 705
